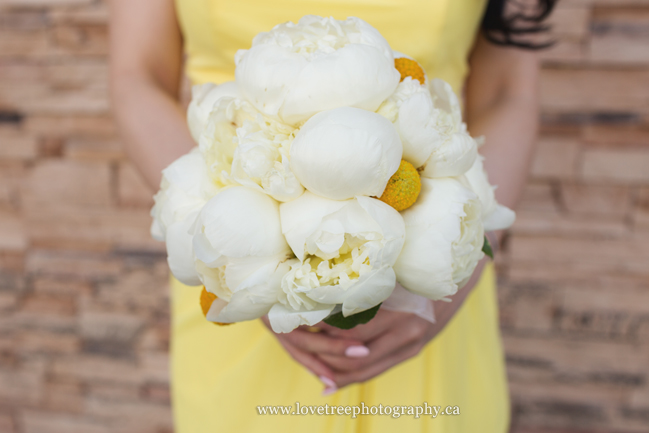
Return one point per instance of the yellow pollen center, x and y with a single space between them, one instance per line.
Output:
403 188
206 302
410 68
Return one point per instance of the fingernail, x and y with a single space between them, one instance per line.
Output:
329 391
357 351
328 382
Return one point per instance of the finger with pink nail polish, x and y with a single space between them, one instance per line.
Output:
357 351
330 385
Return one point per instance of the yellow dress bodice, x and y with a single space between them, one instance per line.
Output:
439 34
220 375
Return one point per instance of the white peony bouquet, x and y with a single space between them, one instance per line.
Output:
330 171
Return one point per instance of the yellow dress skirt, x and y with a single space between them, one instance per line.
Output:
221 375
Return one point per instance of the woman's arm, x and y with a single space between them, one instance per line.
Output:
501 103
145 76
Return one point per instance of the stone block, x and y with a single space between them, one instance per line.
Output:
619 36
571 90
114 391
85 228
566 50
611 136
64 396
52 422
570 20
96 369
61 182
39 342
61 286
569 356
584 225
555 158
116 327
77 265
15 144
13 237
611 166
23 384
81 39
62 125
17 44
596 200
594 256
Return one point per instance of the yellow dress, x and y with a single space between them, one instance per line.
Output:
220 375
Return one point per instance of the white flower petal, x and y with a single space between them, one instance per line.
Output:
392 227
204 96
452 158
431 129
284 319
241 222
218 142
446 99
494 215
370 290
301 217
408 302
345 152
417 128
240 253
411 110
444 237
345 251
186 186
180 255
297 70
254 295
261 158
501 218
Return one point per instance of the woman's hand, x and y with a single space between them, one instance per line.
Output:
305 346
391 337
340 357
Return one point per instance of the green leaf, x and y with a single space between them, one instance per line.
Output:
342 322
486 248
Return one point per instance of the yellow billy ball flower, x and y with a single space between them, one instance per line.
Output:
410 68
206 302
403 188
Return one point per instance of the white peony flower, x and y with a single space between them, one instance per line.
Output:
261 158
204 96
218 140
185 188
430 127
346 152
241 254
494 216
459 150
444 237
410 109
297 70
345 251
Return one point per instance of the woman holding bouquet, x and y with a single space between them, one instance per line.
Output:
221 375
